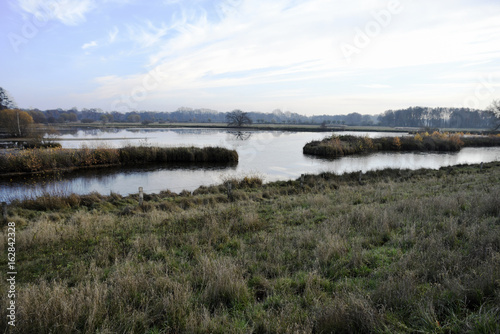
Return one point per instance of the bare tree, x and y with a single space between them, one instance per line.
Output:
238 118
494 112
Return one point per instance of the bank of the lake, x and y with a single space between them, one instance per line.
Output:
401 252
56 159
339 146
252 127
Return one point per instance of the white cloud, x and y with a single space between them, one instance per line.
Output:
257 42
147 35
375 86
89 45
69 12
112 34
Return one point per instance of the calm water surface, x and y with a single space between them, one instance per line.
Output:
272 155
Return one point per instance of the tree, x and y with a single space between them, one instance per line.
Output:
133 118
15 122
238 118
38 116
6 101
104 119
494 112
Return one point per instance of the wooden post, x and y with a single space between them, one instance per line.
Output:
302 181
4 211
141 196
481 167
359 177
229 191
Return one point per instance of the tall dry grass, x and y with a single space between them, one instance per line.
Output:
338 146
50 159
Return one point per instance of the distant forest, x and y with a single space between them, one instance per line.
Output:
437 118
410 117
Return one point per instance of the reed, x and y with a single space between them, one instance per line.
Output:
339 146
52 159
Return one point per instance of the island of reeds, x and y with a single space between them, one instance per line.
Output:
52 159
339 146
401 252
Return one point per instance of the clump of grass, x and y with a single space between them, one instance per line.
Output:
348 313
223 284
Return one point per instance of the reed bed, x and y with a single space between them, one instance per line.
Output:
339 146
51 159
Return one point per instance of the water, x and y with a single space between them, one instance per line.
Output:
272 155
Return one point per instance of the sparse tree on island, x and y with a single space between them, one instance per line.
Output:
238 118
494 112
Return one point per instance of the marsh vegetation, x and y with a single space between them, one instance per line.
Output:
339 146
52 159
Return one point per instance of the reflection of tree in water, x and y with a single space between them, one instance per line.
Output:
241 135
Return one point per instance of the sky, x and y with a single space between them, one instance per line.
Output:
312 57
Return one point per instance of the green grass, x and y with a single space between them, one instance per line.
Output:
403 252
44 160
339 146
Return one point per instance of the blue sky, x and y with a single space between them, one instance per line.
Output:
310 57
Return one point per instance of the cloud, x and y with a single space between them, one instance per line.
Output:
270 47
148 34
375 86
69 12
112 34
89 45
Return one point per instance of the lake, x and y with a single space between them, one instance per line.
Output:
271 155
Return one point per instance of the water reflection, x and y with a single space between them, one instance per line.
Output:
122 180
273 155
240 135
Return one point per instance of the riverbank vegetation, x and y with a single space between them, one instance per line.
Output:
339 146
51 159
400 252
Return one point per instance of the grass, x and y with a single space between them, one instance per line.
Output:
339 146
403 252
51 159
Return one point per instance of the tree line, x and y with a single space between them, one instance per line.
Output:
188 115
438 118
410 117
17 122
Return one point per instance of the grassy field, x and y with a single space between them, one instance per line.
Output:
53 159
399 252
